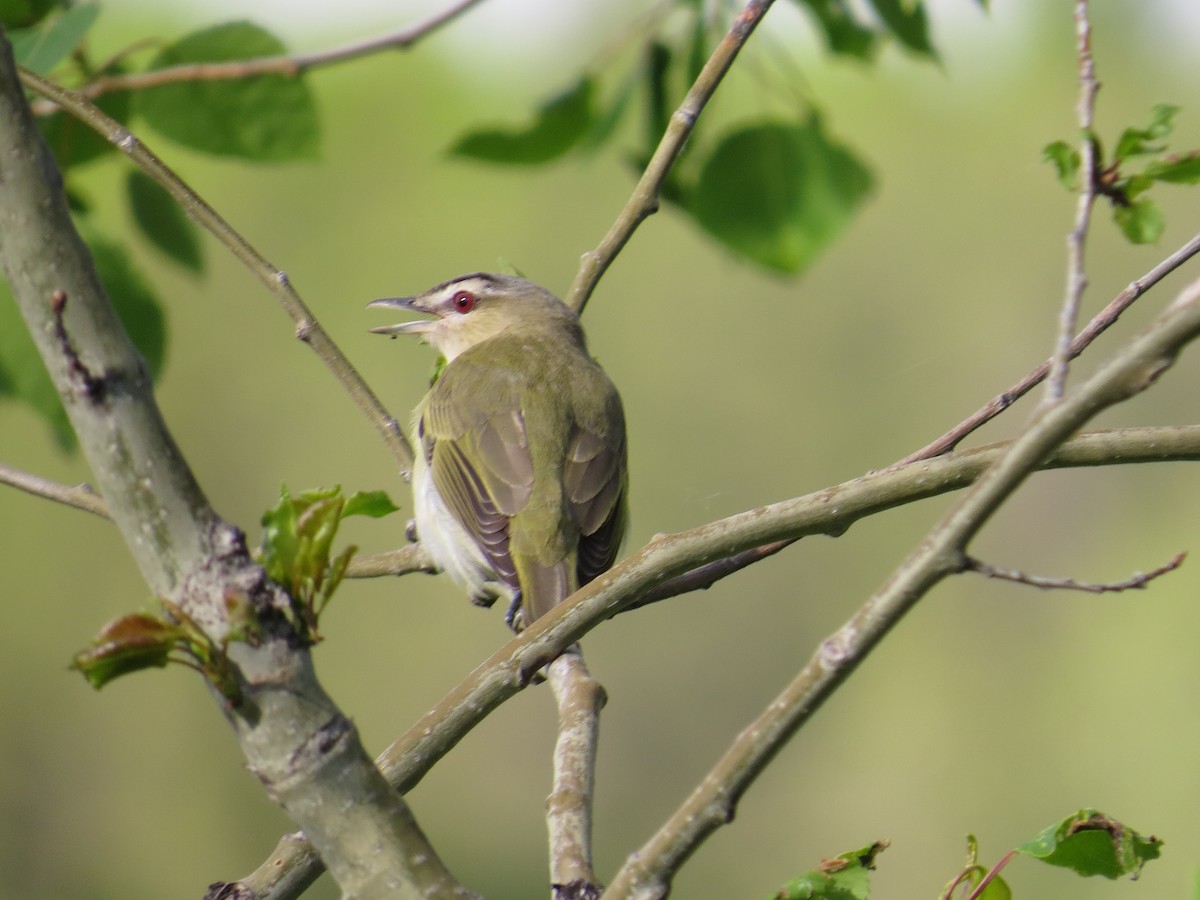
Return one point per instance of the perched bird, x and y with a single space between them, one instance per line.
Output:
519 481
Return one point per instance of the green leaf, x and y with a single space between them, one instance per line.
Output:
375 504
1066 162
605 123
1176 169
72 142
558 127
1141 221
162 222
907 22
844 877
45 46
843 33
23 376
262 118
658 107
778 193
1139 141
1091 843
127 644
135 302
298 535
16 14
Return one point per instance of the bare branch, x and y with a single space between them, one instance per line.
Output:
80 496
1136 582
308 329
1105 318
294 738
644 200
289 65
1077 239
579 698
402 561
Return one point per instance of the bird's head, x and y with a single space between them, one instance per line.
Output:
472 308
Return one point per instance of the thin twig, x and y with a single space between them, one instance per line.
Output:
1102 321
579 698
288 65
1077 238
1136 582
402 561
992 874
80 496
308 329
644 200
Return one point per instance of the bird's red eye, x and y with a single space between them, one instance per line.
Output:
464 301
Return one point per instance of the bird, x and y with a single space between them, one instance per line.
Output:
520 461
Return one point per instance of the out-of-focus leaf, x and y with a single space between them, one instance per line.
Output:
698 47
605 123
23 376
1139 141
1092 843
43 47
264 117
162 222
907 22
658 65
1065 160
16 14
1176 169
558 127
72 142
843 33
778 193
1141 221
138 306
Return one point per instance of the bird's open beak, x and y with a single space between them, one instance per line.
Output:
418 326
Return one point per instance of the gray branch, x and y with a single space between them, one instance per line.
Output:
304 750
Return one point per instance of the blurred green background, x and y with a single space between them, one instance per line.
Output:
993 709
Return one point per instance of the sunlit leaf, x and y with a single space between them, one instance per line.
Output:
162 222
557 128
264 117
778 193
375 504
1092 843
843 877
